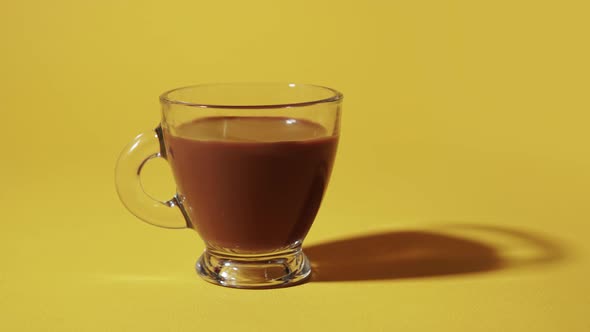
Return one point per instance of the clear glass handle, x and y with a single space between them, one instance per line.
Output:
146 146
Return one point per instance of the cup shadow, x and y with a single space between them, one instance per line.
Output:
419 254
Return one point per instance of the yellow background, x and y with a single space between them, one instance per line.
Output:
465 154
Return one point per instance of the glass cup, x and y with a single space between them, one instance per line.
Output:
251 164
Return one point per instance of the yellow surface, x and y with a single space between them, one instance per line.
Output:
464 155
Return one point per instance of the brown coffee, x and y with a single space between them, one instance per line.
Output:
251 184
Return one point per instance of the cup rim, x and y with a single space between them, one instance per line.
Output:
335 96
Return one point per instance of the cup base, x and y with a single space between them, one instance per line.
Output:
280 269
